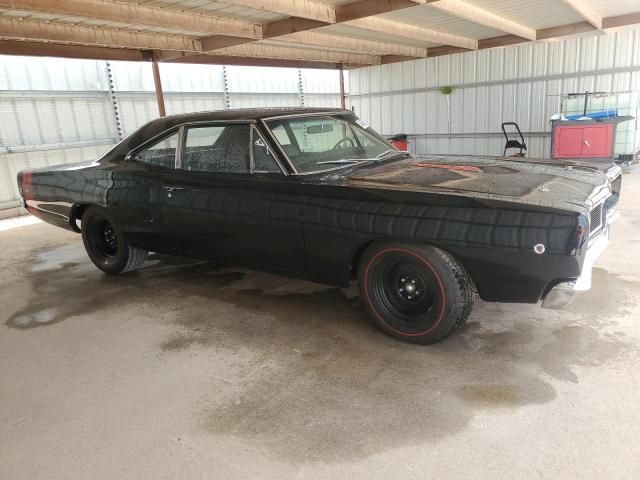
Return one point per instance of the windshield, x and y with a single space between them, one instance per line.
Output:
322 142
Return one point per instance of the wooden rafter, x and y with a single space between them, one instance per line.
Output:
138 15
369 8
357 10
105 37
621 20
260 50
412 32
39 49
586 11
299 8
481 16
333 41
257 62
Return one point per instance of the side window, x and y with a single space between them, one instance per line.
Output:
263 160
284 140
217 148
281 135
162 153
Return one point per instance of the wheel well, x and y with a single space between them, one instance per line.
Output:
359 252
76 214
355 259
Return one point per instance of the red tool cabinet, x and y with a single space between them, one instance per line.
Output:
584 138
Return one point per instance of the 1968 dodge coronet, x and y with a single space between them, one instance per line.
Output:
317 194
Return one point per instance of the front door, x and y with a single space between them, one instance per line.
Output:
226 203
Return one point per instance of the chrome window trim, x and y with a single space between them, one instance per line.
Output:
310 114
275 142
275 157
151 142
251 161
298 115
181 145
184 127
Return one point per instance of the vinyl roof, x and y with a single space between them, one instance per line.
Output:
303 33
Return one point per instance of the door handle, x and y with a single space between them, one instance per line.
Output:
172 189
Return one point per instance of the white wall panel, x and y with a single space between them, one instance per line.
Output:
520 83
324 100
34 73
239 100
262 79
191 78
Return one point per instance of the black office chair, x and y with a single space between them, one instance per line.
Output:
511 142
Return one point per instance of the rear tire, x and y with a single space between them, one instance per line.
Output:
106 245
416 293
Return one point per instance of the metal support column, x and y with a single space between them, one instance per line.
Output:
114 102
225 86
158 84
341 72
301 87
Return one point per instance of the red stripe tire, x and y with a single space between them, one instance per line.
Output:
416 293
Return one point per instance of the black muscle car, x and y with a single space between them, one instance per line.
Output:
317 194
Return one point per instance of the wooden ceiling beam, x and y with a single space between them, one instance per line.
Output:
564 30
105 37
586 11
298 8
621 20
301 19
40 49
259 50
412 32
386 59
368 8
289 25
481 16
138 15
332 41
252 62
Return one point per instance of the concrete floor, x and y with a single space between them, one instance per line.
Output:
187 371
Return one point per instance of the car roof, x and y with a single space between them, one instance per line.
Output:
159 125
250 113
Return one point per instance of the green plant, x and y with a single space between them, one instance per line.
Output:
447 90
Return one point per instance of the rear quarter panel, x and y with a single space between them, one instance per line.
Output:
51 193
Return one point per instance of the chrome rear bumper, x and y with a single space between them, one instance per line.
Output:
563 293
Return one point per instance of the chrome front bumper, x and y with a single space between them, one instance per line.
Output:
563 293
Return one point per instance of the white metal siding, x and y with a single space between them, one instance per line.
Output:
497 85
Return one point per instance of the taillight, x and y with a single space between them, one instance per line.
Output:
25 185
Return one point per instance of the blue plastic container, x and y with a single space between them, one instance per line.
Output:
594 115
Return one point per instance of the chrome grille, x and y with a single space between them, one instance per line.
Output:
596 219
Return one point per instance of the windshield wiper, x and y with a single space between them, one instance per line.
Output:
360 160
386 152
346 160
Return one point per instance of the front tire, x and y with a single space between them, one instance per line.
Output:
107 246
416 293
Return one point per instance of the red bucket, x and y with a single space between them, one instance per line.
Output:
400 142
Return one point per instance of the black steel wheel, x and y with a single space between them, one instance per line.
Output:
106 246
416 293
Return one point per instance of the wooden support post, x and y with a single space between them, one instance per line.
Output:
341 72
158 84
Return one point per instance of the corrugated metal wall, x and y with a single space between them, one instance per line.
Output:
517 83
61 111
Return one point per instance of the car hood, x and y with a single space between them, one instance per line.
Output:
556 184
